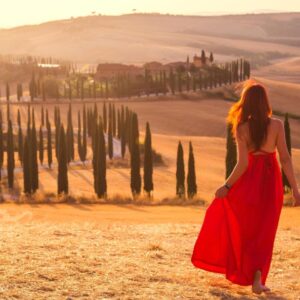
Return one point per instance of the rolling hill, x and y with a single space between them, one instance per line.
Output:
137 38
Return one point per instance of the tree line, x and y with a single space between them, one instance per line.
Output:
119 124
176 79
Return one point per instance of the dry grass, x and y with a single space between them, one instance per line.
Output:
51 198
86 260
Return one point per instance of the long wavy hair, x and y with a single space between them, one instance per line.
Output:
253 107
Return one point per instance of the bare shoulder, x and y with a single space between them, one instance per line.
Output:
276 122
242 129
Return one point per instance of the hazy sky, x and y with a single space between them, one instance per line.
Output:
19 12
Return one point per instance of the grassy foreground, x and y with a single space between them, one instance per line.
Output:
124 252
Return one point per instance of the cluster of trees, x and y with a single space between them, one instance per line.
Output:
20 67
231 152
191 184
120 124
184 77
207 77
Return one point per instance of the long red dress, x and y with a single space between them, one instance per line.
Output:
238 231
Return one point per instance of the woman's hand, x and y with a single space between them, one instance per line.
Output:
221 192
296 196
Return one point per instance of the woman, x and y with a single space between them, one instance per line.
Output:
239 227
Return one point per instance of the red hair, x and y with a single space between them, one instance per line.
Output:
253 107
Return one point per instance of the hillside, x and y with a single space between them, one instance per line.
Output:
123 38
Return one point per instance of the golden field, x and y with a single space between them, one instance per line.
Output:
132 251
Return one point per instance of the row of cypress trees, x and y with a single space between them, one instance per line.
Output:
180 173
114 128
230 162
27 151
30 148
121 85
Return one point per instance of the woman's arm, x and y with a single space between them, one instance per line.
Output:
286 162
240 167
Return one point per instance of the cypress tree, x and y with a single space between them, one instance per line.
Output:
148 161
28 115
62 177
19 118
110 140
70 90
119 125
41 145
26 167
79 144
203 57
100 163
34 158
10 156
57 130
82 88
70 136
104 117
123 141
135 183
110 115
114 127
96 115
84 133
20 138
19 88
49 141
21 91
90 91
38 88
95 141
231 153
32 87
191 176
287 132
42 117
90 122
129 129
7 92
29 156
101 189
123 131
77 88
211 57
20 144
8 111
180 173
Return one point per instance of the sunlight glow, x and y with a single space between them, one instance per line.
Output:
17 12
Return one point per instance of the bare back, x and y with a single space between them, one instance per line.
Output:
271 142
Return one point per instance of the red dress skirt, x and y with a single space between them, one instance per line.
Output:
238 231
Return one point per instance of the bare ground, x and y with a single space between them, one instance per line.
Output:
124 252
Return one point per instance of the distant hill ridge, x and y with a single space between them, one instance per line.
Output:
137 38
